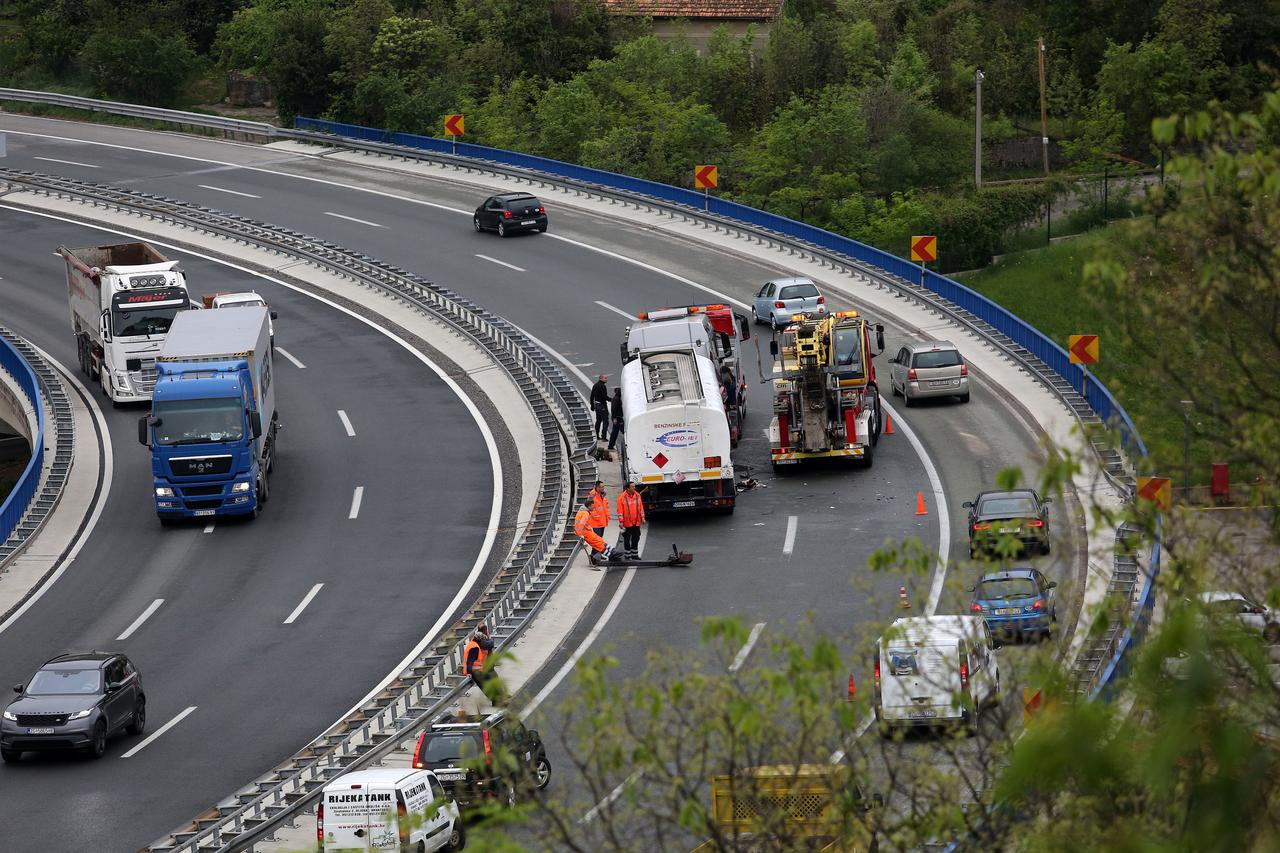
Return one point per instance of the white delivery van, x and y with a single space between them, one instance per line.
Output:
387 809
935 669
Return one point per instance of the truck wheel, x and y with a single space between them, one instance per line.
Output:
869 456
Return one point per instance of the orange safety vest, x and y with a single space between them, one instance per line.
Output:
582 523
481 656
599 509
630 509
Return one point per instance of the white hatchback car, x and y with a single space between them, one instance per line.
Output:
929 369
780 298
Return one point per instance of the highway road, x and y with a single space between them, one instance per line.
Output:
260 689
568 288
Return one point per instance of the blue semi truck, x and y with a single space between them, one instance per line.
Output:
213 422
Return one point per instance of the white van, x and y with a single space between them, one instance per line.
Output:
935 669
387 809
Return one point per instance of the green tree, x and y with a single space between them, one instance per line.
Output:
733 78
350 38
1153 79
789 63
909 72
141 65
1100 131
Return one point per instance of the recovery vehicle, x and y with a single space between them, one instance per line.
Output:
123 298
826 402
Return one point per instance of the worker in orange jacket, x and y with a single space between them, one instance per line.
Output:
582 529
630 517
599 509
475 654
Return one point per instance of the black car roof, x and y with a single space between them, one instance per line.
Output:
515 196
1012 493
77 660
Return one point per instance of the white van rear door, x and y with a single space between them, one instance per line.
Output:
346 819
917 681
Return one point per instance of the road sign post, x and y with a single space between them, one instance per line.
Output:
924 248
454 126
706 178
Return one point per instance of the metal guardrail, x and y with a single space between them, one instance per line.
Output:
516 593
15 506
179 117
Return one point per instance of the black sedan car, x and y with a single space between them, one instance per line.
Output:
510 213
74 702
1020 515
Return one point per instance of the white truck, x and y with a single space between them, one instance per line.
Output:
241 299
675 446
123 299
387 809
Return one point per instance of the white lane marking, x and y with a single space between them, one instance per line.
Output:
609 609
108 471
616 310
789 543
182 715
302 605
137 623
356 497
613 795
284 352
225 190
741 657
491 445
346 423
353 219
939 503
501 263
67 162
208 528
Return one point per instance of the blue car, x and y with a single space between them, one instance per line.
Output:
1017 601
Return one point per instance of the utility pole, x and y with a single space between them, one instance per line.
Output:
1044 115
978 77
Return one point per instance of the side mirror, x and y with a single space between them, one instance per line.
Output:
996 644
142 431
255 424
275 316
744 326
877 800
967 504
972 588
880 337
105 323
533 734
18 688
773 348
1047 500
1052 585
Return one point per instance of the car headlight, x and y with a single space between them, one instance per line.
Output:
241 487
80 715
9 715
164 492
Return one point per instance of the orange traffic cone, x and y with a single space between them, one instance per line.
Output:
920 510
888 424
853 688
902 598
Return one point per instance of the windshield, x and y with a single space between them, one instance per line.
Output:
450 746
61 682
798 291
1008 507
198 421
849 349
1007 588
937 358
248 303
142 320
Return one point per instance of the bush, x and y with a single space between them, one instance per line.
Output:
142 65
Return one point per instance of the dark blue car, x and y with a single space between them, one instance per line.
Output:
1017 601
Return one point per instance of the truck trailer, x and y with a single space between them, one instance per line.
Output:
676 443
213 422
122 298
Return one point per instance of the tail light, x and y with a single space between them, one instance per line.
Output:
911 374
981 526
876 673
320 826
506 214
542 210
975 607
711 462
417 753
402 824
964 370
964 672
822 300
1036 523
1039 605
779 305
488 747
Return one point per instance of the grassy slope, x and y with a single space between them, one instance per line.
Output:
1045 287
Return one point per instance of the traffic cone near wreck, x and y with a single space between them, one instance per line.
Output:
853 688
920 510
888 424
902 598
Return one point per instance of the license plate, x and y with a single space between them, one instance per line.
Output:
1008 530
683 503
40 731
205 511
450 775
1006 611
942 383
921 715
529 222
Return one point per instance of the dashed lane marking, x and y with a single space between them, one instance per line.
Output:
137 623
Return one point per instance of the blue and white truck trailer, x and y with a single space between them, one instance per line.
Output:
213 422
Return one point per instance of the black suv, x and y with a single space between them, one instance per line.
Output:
509 213
74 702
452 747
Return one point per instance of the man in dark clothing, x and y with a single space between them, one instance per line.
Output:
600 405
730 387
615 414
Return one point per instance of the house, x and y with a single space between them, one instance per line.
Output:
695 20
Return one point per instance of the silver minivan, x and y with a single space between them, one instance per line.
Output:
929 369
778 299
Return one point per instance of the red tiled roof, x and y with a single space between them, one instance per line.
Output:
733 10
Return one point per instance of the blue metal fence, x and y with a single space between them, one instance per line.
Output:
1025 335
15 505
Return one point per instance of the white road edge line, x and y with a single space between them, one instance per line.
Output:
615 309
501 263
741 657
491 445
789 543
66 162
346 423
182 715
284 352
225 190
356 497
613 795
353 219
137 623
302 605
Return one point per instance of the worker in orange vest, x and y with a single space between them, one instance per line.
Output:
582 529
475 654
630 517
599 509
